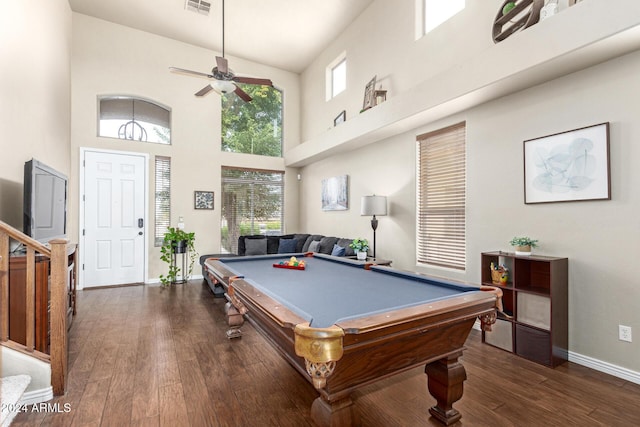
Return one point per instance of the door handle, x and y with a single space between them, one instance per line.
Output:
140 222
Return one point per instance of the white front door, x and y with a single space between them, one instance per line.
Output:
114 218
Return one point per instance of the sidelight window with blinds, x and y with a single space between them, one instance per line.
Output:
252 203
162 198
441 197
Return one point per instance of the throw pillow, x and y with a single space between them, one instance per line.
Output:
337 250
348 251
255 246
326 245
311 238
314 246
287 246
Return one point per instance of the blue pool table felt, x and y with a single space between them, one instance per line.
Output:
329 291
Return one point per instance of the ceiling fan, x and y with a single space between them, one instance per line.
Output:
224 77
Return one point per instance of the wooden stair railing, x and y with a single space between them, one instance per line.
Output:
62 256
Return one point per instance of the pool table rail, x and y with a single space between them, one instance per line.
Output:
276 311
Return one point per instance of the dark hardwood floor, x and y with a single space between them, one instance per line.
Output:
149 356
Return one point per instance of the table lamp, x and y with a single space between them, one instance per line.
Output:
372 206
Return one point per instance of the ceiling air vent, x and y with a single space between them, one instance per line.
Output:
198 6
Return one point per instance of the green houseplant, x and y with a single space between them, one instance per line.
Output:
523 245
177 241
360 247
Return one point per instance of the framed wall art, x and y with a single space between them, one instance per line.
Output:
335 193
203 199
568 166
369 94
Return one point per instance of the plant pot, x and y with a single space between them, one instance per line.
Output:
523 250
361 255
180 247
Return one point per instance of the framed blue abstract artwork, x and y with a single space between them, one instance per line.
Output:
568 166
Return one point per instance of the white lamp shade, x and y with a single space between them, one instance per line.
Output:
373 205
223 86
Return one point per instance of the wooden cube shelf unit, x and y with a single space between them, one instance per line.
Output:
535 298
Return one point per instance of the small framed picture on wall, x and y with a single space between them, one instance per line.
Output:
203 199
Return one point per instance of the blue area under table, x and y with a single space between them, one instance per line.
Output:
333 289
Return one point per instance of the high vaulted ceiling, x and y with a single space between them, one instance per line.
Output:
287 34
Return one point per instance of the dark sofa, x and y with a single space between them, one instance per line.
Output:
287 243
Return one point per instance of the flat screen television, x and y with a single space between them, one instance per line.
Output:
45 202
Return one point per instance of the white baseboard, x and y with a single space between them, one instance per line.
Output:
156 281
37 396
606 367
595 364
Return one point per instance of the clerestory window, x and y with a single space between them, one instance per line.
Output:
438 11
336 76
253 127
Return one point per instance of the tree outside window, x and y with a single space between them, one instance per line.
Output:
253 127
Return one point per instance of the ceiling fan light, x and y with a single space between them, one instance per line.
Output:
222 86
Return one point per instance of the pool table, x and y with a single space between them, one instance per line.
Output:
343 324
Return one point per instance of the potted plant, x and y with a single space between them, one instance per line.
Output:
177 241
360 247
523 245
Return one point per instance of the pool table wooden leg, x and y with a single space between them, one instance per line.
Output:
332 414
235 320
446 377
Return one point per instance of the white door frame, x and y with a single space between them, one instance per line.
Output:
81 223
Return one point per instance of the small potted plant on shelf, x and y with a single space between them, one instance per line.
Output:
360 247
523 245
177 241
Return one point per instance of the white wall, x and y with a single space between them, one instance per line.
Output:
597 237
382 42
113 59
35 85
35 51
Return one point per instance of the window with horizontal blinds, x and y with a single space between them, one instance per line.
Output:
162 198
252 203
441 206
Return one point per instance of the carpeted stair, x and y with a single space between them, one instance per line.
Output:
11 390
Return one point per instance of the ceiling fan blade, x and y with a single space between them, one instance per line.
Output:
223 65
189 72
242 94
253 81
205 90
